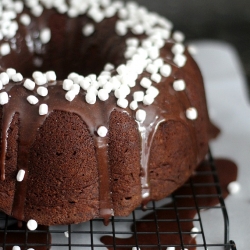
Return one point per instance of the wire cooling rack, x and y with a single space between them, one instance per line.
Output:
142 229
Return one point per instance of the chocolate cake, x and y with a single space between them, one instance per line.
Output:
102 109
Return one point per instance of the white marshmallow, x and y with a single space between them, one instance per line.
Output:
109 67
156 77
180 60
133 105
102 131
32 225
45 35
178 48
194 232
17 77
4 98
84 83
28 84
66 234
140 115
43 109
122 102
191 113
32 99
151 68
165 70
37 74
4 78
10 72
16 248
148 99
138 96
179 85
178 36
90 98
42 91
67 84
233 187
103 94
70 95
153 91
75 89
25 19
51 76
20 175
145 82
5 49
88 29
41 80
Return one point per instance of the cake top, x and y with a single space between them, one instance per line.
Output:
141 55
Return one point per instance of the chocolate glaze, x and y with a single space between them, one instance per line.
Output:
227 172
168 106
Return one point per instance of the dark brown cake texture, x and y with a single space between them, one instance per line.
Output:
66 158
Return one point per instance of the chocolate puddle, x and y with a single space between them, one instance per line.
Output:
227 172
16 235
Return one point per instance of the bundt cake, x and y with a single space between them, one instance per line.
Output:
102 109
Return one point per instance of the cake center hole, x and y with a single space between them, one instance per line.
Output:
67 51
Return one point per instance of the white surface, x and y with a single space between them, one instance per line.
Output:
229 108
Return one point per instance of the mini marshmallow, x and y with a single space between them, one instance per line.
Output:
25 19
5 49
75 88
42 91
122 69
165 70
32 225
178 48
1 87
192 49
153 91
109 11
122 102
145 82
16 248
41 80
88 29
51 76
170 248
119 93
45 35
37 74
136 248
233 187
4 78
178 36
4 98
158 62
156 77
92 77
179 85
67 84
103 94
17 77
28 84
92 89
153 52
138 29
10 72
32 99
37 10
138 96
70 95
148 99
133 105
191 113
109 67
66 234
152 69
140 115
43 109
84 83
194 232
102 131
180 60
108 86
20 175
90 98
132 42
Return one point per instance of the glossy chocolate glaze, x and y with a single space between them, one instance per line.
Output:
168 106
227 172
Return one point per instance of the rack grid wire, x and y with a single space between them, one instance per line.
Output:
163 225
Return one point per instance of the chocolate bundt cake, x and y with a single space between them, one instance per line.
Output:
102 109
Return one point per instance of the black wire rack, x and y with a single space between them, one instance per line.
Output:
142 229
